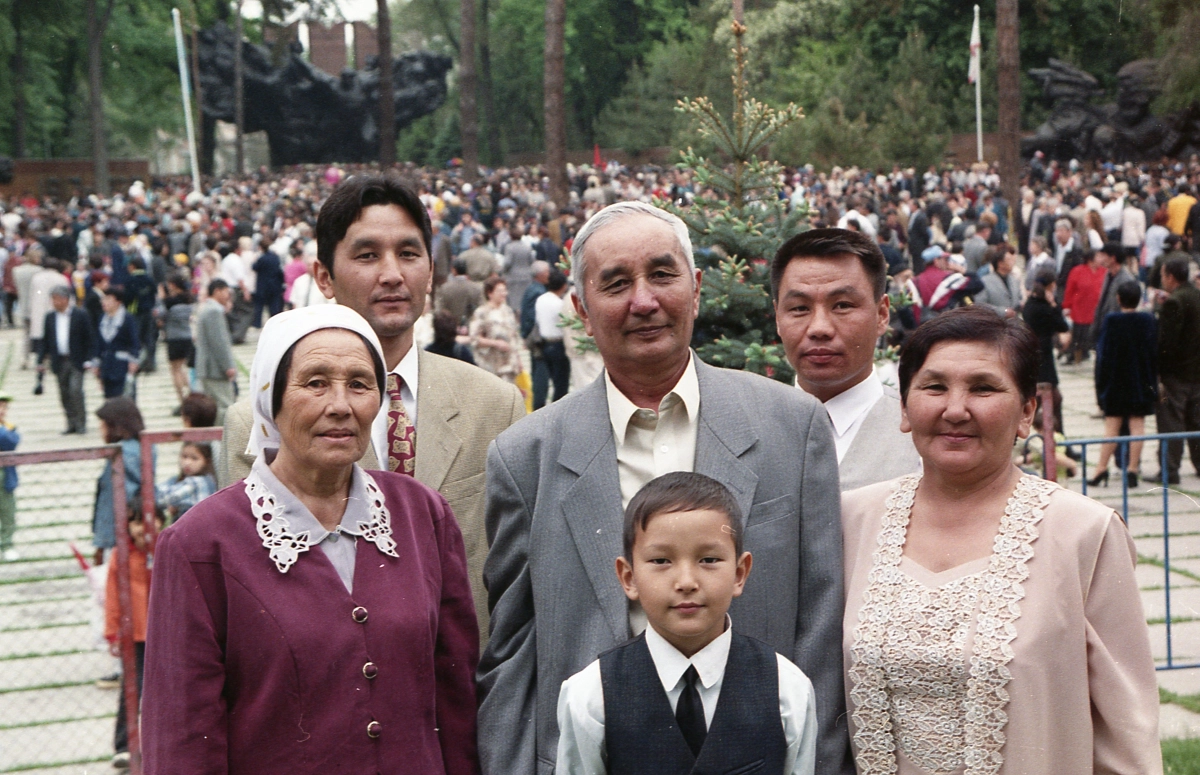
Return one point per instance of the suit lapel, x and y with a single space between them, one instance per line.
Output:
723 435
437 442
592 506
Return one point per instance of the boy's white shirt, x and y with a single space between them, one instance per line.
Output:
581 749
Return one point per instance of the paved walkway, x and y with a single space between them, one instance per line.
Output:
54 720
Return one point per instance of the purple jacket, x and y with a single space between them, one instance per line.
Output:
249 670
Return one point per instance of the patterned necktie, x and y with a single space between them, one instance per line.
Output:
689 712
401 435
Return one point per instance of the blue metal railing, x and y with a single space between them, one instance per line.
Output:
1123 443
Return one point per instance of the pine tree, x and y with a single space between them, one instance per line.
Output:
737 222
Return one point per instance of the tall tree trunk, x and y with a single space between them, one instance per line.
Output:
18 82
554 101
485 86
468 119
387 99
239 96
96 23
1008 38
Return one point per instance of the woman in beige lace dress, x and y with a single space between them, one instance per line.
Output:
993 623
495 335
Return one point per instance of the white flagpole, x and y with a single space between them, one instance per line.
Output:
976 45
181 52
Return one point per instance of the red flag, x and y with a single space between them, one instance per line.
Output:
596 160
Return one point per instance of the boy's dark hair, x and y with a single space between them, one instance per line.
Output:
122 417
557 281
1129 294
676 492
355 194
827 243
200 410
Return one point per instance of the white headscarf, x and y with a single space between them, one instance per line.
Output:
278 335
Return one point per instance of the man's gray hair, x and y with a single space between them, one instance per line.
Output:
539 266
1064 223
62 291
613 213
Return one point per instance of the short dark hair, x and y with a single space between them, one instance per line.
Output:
557 281
199 410
122 417
216 284
826 243
1114 249
1129 294
995 254
676 492
355 194
285 363
1178 267
490 284
459 265
981 324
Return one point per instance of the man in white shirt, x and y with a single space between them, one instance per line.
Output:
856 214
831 306
550 362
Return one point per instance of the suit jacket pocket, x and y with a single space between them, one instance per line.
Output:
465 497
769 511
745 769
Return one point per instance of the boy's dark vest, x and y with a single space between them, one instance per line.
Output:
640 733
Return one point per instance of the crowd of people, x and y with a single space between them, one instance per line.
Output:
408 574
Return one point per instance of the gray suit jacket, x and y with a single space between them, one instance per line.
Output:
555 523
879 451
460 409
214 347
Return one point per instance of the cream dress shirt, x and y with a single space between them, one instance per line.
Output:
581 749
407 370
848 409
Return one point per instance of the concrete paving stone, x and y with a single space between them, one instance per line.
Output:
1180 547
1186 564
34 614
10 571
1185 642
1180 681
82 637
1152 576
1185 604
52 743
1177 722
38 671
34 591
40 705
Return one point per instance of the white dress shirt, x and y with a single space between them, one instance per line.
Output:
848 409
650 443
581 748
62 331
546 310
406 369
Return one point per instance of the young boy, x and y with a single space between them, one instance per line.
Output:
689 694
9 438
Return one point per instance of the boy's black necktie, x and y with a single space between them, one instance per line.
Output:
689 712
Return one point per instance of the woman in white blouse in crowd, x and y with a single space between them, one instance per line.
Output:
993 623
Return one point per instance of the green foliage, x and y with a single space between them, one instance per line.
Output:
1181 757
1179 21
736 222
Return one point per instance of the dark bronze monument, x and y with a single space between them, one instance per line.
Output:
310 116
1122 131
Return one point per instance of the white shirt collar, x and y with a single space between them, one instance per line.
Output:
301 521
407 370
621 410
671 664
847 407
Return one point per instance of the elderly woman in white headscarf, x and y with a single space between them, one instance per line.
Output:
315 617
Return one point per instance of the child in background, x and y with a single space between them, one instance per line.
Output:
689 694
139 595
9 439
196 481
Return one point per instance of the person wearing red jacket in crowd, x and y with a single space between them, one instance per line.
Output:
1084 284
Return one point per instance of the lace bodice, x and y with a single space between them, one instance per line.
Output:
929 663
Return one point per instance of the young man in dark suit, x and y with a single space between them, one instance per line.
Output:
69 343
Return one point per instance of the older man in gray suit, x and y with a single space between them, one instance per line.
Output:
831 306
558 480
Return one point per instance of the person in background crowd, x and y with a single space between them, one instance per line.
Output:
120 423
177 330
494 333
445 339
537 286
518 266
1045 318
70 347
1067 252
215 365
1001 288
1179 366
1110 258
480 262
1126 379
195 482
550 362
1155 245
268 282
117 345
139 298
1084 285
459 295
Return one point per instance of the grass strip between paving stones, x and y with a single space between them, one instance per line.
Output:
1181 757
50 626
40 600
42 687
48 722
1144 560
36 579
1174 620
51 765
1186 701
42 654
